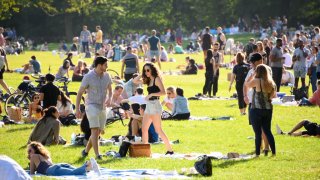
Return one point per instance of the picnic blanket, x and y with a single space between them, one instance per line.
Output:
210 98
206 118
194 156
124 174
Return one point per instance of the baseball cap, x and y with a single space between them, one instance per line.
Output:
26 78
255 57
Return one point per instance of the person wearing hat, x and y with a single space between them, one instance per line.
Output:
255 60
130 64
277 61
23 86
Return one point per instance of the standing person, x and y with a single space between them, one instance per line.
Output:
85 38
313 66
267 48
2 39
288 58
261 51
207 41
239 74
154 47
179 35
208 74
264 89
99 38
97 83
49 93
248 49
151 77
300 63
277 60
217 59
131 62
2 69
221 39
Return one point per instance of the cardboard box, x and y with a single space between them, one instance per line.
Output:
15 113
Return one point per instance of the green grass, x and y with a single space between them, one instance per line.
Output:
297 157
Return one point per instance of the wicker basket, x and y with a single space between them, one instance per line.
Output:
140 150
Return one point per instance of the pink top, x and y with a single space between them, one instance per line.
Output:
315 99
2 41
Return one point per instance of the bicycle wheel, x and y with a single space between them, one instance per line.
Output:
18 100
73 98
36 76
112 73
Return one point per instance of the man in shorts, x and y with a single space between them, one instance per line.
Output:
312 129
155 47
299 58
97 83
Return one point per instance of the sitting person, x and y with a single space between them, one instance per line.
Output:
64 105
77 72
164 54
35 64
287 77
312 129
47 130
314 100
168 100
136 124
191 47
69 58
182 66
180 106
116 96
40 162
85 69
23 86
63 70
178 49
192 68
35 109
130 86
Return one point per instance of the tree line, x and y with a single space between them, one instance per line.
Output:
54 20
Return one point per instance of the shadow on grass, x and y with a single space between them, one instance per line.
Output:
19 129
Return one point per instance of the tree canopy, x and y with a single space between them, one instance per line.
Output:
61 19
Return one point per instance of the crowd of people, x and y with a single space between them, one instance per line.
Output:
258 73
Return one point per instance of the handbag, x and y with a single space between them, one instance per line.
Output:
68 120
204 165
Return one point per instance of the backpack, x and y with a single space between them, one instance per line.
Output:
204 165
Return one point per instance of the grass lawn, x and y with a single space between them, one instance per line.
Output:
297 157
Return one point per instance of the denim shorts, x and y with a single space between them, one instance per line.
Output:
97 117
153 107
155 53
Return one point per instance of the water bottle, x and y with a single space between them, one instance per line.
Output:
73 138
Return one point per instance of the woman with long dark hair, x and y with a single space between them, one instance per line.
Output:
264 89
63 70
64 105
40 162
47 129
151 77
209 73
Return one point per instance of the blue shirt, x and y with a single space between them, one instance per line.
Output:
36 65
318 59
153 41
180 106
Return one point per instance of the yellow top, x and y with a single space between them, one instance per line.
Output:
99 36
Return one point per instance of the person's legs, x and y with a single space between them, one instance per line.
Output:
241 103
266 126
158 59
313 78
207 84
4 85
184 116
215 85
145 127
98 46
157 126
255 118
297 127
303 82
94 140
277 76
265 141
205 53
66 169
296 82
134 127
127 77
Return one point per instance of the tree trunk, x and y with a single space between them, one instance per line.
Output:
68 27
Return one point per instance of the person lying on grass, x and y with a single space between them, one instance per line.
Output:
312 129
41 163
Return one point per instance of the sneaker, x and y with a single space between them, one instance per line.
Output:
279 131
169 153
84 153
95 166
99 157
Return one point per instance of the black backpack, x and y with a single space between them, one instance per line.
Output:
204 165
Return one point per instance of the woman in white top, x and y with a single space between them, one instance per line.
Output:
63 70
64 105
168 100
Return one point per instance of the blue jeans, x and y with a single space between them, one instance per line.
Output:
98 46
261 118
313 78
85 47
66 169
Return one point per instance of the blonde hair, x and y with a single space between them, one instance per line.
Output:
171 89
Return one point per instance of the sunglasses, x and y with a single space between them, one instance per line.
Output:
36 98
147 70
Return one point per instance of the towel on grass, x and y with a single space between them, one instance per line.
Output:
194 156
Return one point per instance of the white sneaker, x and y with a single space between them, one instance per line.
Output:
95 166
279 131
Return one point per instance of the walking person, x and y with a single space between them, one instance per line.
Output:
207 41
276 63
85 38
239 74
152 114
264 89
131 62
208 74
154 47
300 63
99 38
222 40
312 64
217 59
97 84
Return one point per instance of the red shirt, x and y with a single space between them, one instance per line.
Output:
315 99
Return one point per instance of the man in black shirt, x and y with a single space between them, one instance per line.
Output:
49 93
207 41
